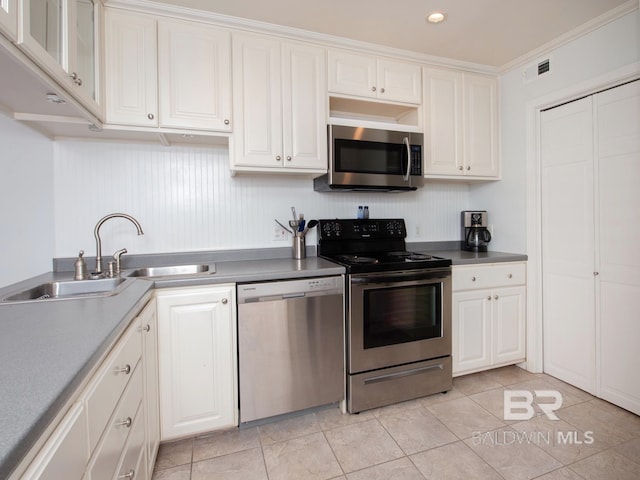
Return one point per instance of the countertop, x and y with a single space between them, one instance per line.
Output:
49 348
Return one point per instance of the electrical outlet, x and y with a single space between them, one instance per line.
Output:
279 235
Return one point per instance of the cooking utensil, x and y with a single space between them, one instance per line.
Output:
283 227
301 225
293 211
311 224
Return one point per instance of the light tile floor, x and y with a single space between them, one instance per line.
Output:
458 435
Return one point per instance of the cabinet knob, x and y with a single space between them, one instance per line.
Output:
473 279
146 328
225 301
460 168
129 474
226 121
595 274
151 116
76 79
495 297
126 369
510 276
373 89
288 158
278 158
489 298
469 167
125 423
382 90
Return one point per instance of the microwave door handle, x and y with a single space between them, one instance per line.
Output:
408 147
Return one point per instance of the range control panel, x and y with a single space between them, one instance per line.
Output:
362 229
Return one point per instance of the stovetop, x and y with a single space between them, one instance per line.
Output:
367 246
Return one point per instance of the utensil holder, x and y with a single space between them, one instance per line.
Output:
299 249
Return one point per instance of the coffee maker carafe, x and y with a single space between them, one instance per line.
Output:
475 235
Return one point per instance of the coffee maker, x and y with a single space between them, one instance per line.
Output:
475 235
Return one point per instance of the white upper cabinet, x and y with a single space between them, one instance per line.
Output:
9 18
194 76
63 37
280 106
461 125
366 76
131 95
167 73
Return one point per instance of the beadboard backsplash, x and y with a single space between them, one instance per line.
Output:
186 200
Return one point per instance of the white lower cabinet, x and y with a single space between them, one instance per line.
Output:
197 338
112 430
488 316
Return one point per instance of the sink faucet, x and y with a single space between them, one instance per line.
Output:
96 233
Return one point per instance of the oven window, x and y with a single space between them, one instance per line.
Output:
402 314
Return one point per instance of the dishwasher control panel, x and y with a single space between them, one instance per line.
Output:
267 291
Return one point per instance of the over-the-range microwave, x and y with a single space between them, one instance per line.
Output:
369 159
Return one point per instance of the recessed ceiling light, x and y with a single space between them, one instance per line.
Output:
436 17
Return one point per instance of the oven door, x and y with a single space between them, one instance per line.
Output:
398 317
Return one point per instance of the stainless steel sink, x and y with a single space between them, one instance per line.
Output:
174 270
69 289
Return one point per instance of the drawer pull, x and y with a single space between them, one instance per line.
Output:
473 279
495 297
146 328
489 298
126 370
129 474
510 276
125 423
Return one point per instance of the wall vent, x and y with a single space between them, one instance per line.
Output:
538 69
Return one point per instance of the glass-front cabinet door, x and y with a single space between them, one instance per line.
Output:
9 18
62 37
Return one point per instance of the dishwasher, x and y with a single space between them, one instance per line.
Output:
290 346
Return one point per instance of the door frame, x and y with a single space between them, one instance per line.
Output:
534 362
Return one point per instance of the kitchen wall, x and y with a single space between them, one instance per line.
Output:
185 199
604 50
26 202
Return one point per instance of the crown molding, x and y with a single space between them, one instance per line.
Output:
290 33
571 35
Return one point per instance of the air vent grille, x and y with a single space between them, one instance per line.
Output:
544 67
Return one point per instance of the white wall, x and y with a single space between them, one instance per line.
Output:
26 202
186 200
610 47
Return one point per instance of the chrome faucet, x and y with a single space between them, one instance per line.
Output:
96 233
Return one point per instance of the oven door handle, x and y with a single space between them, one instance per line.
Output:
401 277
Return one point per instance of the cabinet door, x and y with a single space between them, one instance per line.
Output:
304 107
84 62
149 325
471 330
9 18
399 81
508 323
443 122
197 361
66 453
352 74
481 125
257 102
131 69
194 66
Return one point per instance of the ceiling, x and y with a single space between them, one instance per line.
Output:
486 32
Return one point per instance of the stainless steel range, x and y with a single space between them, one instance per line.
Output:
398 312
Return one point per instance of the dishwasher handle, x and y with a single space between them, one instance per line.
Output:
289 289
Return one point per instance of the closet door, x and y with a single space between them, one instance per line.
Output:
617 116
568 243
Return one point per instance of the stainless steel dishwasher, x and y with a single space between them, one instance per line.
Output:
290 345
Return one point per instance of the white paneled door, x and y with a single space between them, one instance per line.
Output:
590 166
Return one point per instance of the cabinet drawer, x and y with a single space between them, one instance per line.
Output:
488 276
122 423
110 382
133 463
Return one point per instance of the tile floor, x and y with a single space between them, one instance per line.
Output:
458 435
